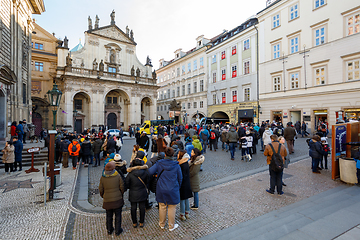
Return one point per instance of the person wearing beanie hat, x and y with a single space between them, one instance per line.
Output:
167 188
326 149
120 166
188 145
111 189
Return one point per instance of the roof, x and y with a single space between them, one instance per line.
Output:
77 47
273 3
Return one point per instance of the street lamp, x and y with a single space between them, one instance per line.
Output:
54 96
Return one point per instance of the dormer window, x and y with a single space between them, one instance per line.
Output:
199 43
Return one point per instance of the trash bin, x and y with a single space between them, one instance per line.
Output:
58 176
347 170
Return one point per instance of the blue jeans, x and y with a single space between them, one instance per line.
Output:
262 143
91 159
244 151
224 146
204 144
185 206
315 164
196 199
97 159
275 180
232 147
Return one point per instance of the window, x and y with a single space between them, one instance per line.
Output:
246 67
214 77
195 65
189 88
214 98
277 83
294 44
78 104
246 94
157 108
319 36
352 68
201 85
201 62
183 106
294 80
195 105
39 46
320 76
173 74
168 93
223 97
234 71
39 66
189 67
223 74
165 108
276 50
183 70
111 69
189 105
213 59
353 24
173 93
178 72
24 94
201 104
246 44
319 3
161 108
222 55
111 100
276 20
234 96
233 50
294 11
183 90
177 91
195 87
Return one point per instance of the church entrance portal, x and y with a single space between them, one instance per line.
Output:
112 121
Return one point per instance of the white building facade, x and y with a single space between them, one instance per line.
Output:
184 79
309 61
232 75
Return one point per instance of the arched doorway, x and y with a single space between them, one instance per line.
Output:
37 121
116 109
2 115
145 109
220 117
81 103
112 121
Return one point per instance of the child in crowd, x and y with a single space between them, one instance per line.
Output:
326 149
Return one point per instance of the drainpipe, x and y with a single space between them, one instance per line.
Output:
257 74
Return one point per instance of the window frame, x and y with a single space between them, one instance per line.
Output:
189 67
40 46
246 44
223 97
278 83
201 62
317 28
320 5
234 95
223 55
201 104
195 87
353 71
234 71
223 74
201 85
195 105
39 66
315 68
291 74
195 65
294 11
183 90
247 94
213 59
297 36
278 20
214 98
189 88
248 67
213 77
353 25
273 52
189 105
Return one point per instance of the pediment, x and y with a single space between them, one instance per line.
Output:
112 32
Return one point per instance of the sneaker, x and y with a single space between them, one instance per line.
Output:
233 159
268 191
182 217
175 227
119 232
187 215
161 226
74 168
281 193
284 184
250 158
317 172
194 208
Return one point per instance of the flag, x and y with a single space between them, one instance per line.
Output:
64 112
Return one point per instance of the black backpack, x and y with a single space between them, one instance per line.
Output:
74 148
276 164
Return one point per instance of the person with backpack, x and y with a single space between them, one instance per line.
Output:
275 154
212 140
204 137
74 149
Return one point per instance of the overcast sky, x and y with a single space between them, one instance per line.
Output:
160 26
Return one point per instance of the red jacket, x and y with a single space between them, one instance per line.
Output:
71 152
13 131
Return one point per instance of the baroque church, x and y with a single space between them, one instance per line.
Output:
103 82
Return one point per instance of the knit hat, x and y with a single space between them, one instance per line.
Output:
169 151
324 139
194 137
117 157
110 166
140 155
82 139
165 134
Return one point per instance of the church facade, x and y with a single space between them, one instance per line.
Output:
104 83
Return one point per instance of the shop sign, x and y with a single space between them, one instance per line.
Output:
340 140
307 118
177 113
285 113
171 114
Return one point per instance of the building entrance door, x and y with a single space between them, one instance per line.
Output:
295 116
37 121
78 126
112 121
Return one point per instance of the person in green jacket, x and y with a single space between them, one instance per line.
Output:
196 143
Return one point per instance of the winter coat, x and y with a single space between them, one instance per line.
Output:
111 189
86 148
289 133
169 182
96 146
223 136
316 149
268 151
25 128
19 129
241 132
194 168
64 145
18 145
168 141
192 132
159 143
180 144
197 144
189 147
111 145
78 147
232 136
185 188
120 166
154 147
144 142
204 135
8 154
266 137
13 131
57 143
137 190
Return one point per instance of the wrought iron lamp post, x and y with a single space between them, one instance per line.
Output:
54 96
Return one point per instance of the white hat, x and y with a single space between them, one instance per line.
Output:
117 157
324 139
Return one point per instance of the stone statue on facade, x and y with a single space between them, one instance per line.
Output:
132 35
101 66
127 31
138 72
112 16
112 56
66 42
95 64
133 71
148 61
89 23
25 53
60 43
97 22
154 74
68 60
175 106
82 64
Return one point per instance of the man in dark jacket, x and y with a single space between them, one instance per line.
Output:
96 147
65 152
111 145
289 135
18 153
261 132
232 138
144 141
58 153
316 152
86 151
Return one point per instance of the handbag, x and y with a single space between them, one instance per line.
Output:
144 185
153 182
164 144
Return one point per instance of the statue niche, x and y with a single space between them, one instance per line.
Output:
112 56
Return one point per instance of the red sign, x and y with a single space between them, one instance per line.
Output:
223 77
223 99
235 98
233 51
223 55
234 74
